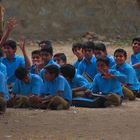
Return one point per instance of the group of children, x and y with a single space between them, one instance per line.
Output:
49 82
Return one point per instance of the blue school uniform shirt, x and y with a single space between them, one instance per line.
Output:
76 63
3 69
34 70
79 81
42 71
89 68
11 66
58 84
135 58
107 85
111 60
130 73
32 87
3 86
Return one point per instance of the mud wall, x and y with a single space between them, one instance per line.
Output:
63 19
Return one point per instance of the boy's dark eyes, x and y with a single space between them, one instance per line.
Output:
87 50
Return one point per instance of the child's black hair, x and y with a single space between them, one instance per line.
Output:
104 60
1 53
47 43
10 43
100 47
48 50
52 69
68 70
36 52
21 73
89 45
121 51
77 45
61 56
136 39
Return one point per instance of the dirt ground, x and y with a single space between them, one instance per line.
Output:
114 123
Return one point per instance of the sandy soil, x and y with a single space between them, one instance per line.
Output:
115 123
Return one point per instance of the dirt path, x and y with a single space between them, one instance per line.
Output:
76 123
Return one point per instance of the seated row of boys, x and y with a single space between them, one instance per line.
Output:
107 75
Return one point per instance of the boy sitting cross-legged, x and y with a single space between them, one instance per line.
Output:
107 82
131 86
3 93
57 87
77 82
26 85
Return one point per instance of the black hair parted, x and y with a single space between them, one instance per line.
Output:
68 70
100 47
21 73
48 50
120 50
136 39
61 56
88 45
37 52
10 43
103 59
77 45
52 69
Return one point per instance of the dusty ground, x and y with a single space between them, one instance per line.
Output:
116 123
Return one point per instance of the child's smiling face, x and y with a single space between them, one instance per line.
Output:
136 46
119 58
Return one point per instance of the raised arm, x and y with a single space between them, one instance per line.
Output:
11 24
22 47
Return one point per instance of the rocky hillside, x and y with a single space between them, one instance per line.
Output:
63 19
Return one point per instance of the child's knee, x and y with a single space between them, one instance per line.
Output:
2 105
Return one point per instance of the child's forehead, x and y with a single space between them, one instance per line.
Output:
119 53
8 47
36 55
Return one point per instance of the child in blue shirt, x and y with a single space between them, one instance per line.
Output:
135 57
3 93
47 57
77 82
57 87
100 50
107 82
12 61
88 65
77 49
26 85
37 62
60 58
131 82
